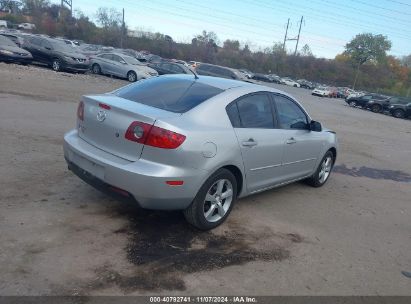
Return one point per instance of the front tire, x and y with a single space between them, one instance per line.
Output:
398 113
353 104
213 202
131 76
96 69
321 175
56 65
376 108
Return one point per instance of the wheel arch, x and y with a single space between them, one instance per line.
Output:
238 176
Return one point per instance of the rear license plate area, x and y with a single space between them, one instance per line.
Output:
88 166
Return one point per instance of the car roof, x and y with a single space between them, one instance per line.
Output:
220 66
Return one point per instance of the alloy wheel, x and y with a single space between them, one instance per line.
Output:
218 200
56 65
325 169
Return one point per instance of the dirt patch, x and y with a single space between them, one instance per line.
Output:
373 173
163 247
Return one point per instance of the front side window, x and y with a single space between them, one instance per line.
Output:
290 115
255 111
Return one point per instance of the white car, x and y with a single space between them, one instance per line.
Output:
26 26
321 91
290 82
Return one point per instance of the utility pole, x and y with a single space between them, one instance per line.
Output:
286 31
122 31
69 3
298 37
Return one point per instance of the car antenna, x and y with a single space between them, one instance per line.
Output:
195 74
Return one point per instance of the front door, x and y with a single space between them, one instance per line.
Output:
301 146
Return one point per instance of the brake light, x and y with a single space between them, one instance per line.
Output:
147 134
80 111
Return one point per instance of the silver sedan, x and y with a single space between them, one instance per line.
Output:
196 144
121 65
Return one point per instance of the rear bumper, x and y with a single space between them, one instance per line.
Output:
144 181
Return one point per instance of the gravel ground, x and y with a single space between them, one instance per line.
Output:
59 236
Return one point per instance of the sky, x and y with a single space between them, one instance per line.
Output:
327 24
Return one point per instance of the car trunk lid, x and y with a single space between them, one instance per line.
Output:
107 117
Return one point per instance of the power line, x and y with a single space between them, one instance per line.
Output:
398 2
380 7
325 17
356 9
333 19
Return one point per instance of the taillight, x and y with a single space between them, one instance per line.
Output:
138 132
147 134
80 111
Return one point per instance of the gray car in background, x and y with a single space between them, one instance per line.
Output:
121 65
220 71
196 144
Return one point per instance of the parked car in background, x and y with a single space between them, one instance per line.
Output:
362 100
11 52
89 50
290 82
163 68
26 26
219 71
262 77
194 64
13 37
333 92
321 91
72 43
402 109
56 54
274 78
120 65
3 24
247 73
305 84
234 139
379 105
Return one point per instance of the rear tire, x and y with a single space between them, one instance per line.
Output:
398 113
323 172
376 108
131 76
96 69
353 104
56 65
213 202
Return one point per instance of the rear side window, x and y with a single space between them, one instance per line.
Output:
170 94
204 68
255 112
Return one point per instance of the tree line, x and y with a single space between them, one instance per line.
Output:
364 63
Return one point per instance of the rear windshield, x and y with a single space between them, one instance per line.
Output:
170 94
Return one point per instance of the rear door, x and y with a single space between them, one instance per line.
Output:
117 67
301 146
260 142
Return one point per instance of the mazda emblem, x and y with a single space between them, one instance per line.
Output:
101 115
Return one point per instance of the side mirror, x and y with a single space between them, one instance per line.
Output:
122 61
315 126
48 48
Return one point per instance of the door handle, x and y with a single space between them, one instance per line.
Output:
291 141
249 143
